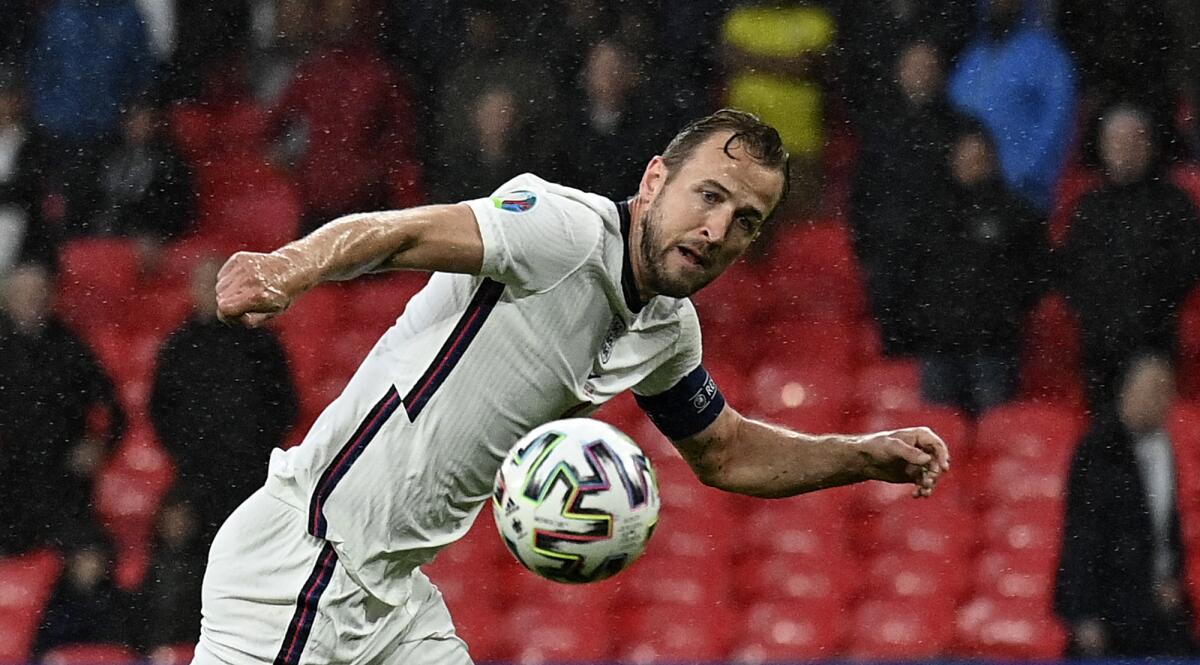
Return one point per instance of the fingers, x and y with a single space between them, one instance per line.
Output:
909 453
925 439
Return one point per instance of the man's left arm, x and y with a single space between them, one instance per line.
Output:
746 456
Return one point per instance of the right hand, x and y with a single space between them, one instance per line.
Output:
250 288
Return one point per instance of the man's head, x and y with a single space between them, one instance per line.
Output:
609 74
973 157
1146 393
496 116
28 295
702 202
919 72
1126 144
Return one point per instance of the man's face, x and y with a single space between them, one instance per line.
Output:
27 296
1146 396
919 72
1125 147
701 217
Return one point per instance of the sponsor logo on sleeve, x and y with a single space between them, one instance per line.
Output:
518 201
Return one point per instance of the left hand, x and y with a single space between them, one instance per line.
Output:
909 455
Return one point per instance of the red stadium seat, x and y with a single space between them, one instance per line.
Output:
97 279
1018 576
257 220
1050 361
1189 346
937 527
731 302
917 576
685 533
26 582
1186 176
834 344
1010 630
91 654
812 274
377 301
1034 432
813 524
1031 532
541 633
797 577
174 654
789 392
888 385
661 577
668 633
897 630
1072 186
780 631
480 625
1015 482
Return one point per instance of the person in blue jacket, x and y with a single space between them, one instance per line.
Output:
1018 79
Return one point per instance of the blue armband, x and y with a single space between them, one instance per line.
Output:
687 407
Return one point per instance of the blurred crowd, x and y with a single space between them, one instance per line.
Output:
984 155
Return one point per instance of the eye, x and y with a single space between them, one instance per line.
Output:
710 196
747 224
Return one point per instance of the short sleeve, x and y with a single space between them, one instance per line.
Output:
679 396
686 357
532 237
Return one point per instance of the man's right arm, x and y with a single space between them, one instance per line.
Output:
252 287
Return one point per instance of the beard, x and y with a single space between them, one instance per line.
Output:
653 255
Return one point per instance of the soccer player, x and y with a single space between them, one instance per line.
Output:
545 302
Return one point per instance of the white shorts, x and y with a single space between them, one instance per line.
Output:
274 594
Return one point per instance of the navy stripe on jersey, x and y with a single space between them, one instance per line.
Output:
685 408
306 608
350 452
482 304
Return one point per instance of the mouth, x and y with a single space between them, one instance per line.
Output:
691 256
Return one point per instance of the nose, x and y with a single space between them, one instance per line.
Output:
716 227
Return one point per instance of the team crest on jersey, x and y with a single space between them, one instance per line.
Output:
518 201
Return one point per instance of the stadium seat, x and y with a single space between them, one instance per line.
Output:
1011 481
812 274
669 633
834 344
377 301
1186 176
26 582
1036 433
803 577
261 219
686 533
661 577
91 654
785 391
1073 185
917 576
1050 356
1015 575
174 654
97 278
1034 533
889 385
543 633
899 630
730 303
1189 346
790 631
813 524
939 528
481 626
1003 629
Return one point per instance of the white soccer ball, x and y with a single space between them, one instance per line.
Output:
576 501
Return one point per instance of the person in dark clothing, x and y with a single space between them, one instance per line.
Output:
492 152
902 168
608 130
1120 578
23 236
86 605
219 424
146 186
49 385
169 599
1103 37
1131 255
991 258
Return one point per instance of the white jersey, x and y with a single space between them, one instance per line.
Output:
399 465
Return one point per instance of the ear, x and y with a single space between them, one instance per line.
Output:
653 179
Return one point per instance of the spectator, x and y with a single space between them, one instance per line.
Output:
872 35
1120 585
219 420
493 59
610 128
352 112
205 34
774 57
90 58
495 153
22 235
1018 79
169 599
902 170
1123 50
86 605
986 254
1131 255
146 186
50 383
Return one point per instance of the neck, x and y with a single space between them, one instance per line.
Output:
637 209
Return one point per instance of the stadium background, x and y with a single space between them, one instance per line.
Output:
862 572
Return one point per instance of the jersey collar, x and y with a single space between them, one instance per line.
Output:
628 284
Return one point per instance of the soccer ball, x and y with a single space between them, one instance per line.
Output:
575 501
